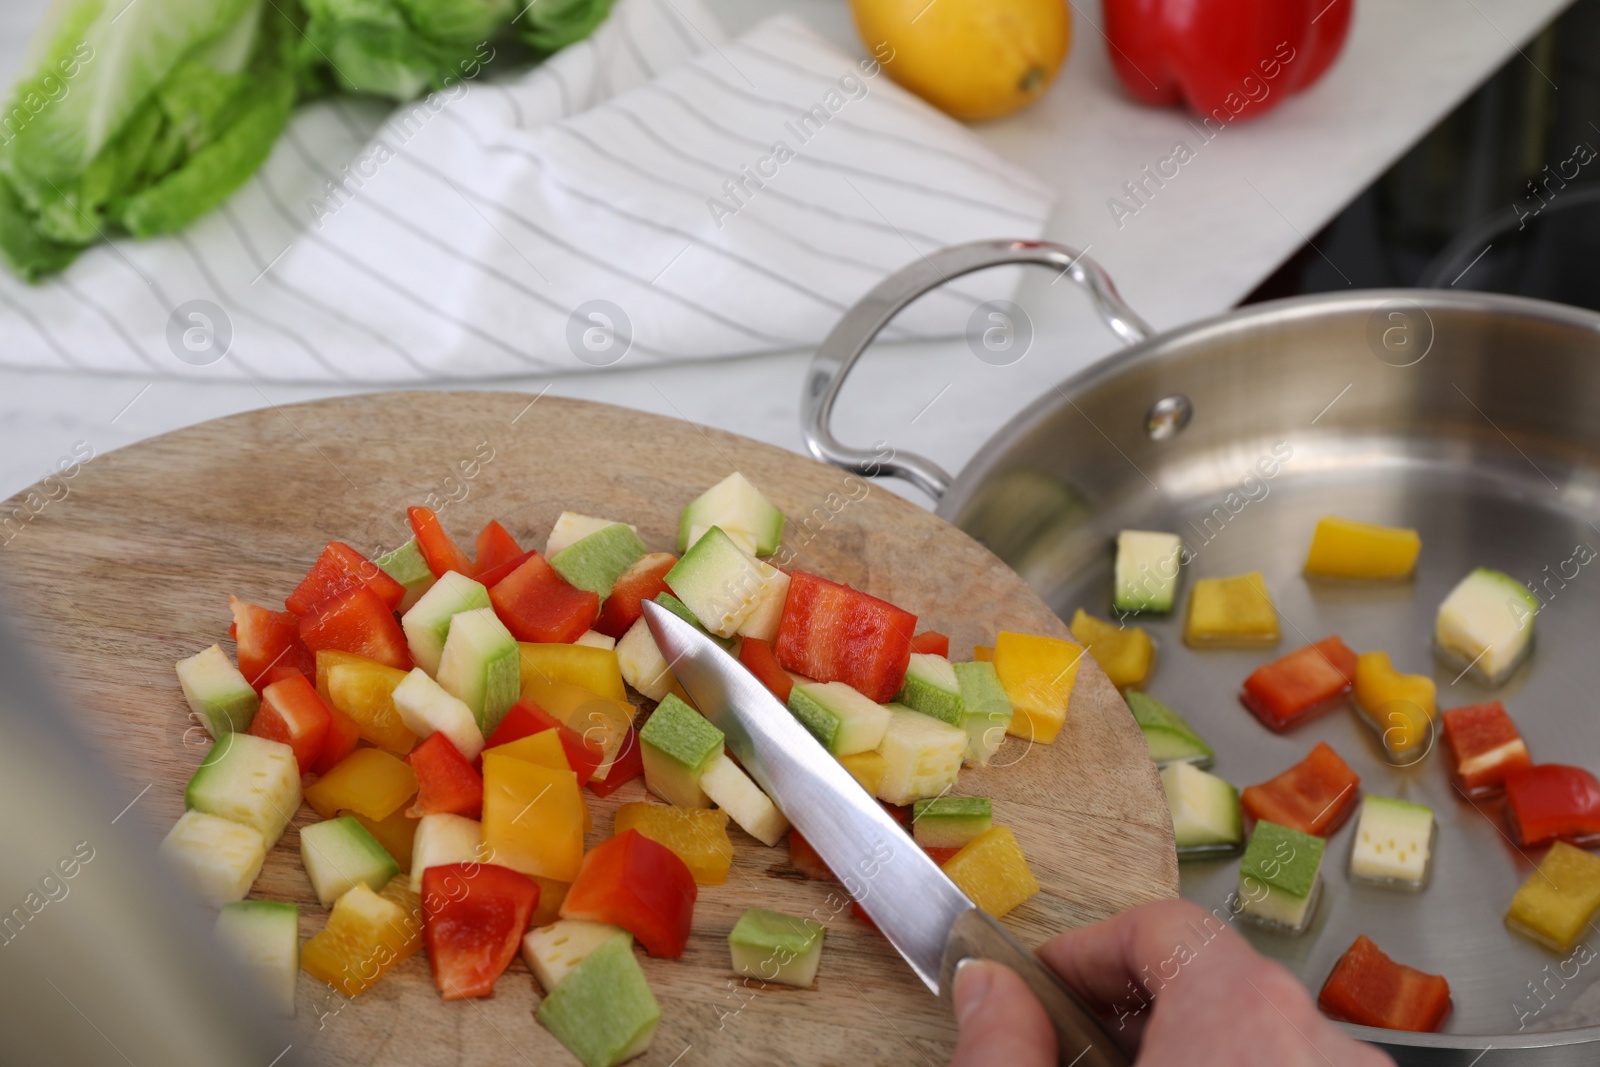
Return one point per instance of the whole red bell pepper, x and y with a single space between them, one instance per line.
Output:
1227 59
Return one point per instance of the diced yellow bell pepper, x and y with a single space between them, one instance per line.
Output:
600 720
364 690
1125 653
585 666
1400 705
543 748
1231 612
1343 548
868 768
533 817
983 653
366 935
699 836
367 782
400 893
1037 674
396 834
551 895
1557 902
992 871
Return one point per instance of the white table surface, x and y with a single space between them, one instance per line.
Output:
1245 202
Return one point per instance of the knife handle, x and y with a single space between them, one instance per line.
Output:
1080 1039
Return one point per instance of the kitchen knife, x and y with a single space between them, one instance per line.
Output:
922 913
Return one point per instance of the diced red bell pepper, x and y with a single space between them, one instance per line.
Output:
473 919
494 575
495 546
527 718
538 606
1298 685
1369 989
1484 747
1551 801
293 712
757 657
931 643
628 765
341 567
446 782
269 644
833 633
441 553
644 580
640 885
356 621
344 733
1314 796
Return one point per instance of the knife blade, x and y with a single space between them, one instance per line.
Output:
925 916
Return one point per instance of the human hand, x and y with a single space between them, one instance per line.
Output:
1216 1002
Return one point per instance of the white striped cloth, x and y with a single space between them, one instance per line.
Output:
719 197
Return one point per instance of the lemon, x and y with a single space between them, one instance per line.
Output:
974 59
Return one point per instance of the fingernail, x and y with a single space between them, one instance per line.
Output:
972 986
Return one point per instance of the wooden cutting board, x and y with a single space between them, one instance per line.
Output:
130 572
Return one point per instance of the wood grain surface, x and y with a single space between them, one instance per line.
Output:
130 571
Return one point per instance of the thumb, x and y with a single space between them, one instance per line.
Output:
1002 1025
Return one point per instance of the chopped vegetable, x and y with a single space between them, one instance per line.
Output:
645 579
427 623
442 554
1146 571
397 834
339 569
407 566
867 768
1549 801
221 698
364 690
594 669
339 854
628 765
1484 747
493 576
992 871
1125 653
1169 738
1344 548
481 666
268 644
249 780
358 622
986 713
369 780
1369 989
537 604
833 633
1557 904
570 528
922 756
552 952
495 548
1231 612
1394 843
758 658
678 746
739 510
950 822
1292 688
474 916
603 1010
426 708
442 840
640 885
294 714
730 789
1037 674
931 687
775 947
642 664
446 782
1279 877
216 858
1314 796
264 936
1486 624
1399 706
533 817
931 643
843 720
728 590
698 836
366 936
1205 810
344 733
594 563
526 719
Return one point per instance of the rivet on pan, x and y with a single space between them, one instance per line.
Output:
1168 416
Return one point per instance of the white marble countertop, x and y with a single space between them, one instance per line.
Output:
1246 201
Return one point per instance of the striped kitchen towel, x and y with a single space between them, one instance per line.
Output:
653 194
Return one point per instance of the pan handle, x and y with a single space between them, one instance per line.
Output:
862 324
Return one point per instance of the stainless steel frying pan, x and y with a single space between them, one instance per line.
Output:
1472 417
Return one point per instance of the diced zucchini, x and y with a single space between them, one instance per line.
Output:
732 790
950 822
443 839
1170 739
407 566
570 528
595 639
1205 809
217 858
643 666
931 687
1147 568
923 756
596 562
985 711
481 666
339 854
775 947
767 613
838 716
1487 623
264 935
681 610
426 708
1394 842
250 780
427 623
217 692
603 1010
722 584
737 508
1279 877
552 952
677 744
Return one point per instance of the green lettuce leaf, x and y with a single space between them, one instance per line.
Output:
550 25
401 48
